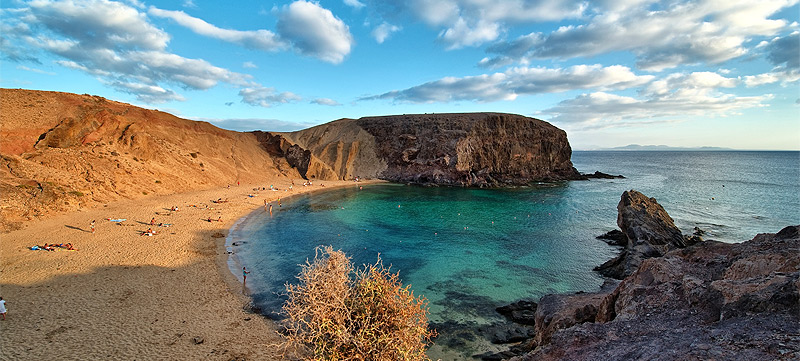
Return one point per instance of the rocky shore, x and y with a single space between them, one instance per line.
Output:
679 298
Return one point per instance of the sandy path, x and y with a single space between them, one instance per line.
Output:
123 296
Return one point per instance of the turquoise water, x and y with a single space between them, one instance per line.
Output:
471 250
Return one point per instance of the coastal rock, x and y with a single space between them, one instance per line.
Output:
475 149
559 311
614 237
710 300
649 232
601 175
522 312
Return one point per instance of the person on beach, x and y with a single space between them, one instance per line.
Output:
245 272
3 308
153 221
270 209
91 225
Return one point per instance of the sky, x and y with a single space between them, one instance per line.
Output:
723 73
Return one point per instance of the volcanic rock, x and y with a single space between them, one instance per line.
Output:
522 312
649 232
710 300
475 149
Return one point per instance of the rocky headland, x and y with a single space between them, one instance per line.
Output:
680 298
472 149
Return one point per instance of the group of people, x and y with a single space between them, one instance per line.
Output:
53 247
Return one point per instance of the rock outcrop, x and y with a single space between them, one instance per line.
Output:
476 149
648 232
712 300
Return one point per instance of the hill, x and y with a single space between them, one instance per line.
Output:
62 152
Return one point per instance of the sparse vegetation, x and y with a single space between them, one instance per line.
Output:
158 181
193 154
335 313
76 193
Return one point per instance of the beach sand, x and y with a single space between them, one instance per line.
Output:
124 296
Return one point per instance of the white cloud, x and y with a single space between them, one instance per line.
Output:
383 31
150 94
250 124
315 31
354 3
325 101
677 96
189 4
461 34
473 22
115 42
254 39
760 79
249 65
266 97
675 33
519 81
99 23
34 70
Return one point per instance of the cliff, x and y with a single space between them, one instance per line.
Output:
475 149
62 152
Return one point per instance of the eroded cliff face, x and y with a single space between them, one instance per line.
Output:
475 149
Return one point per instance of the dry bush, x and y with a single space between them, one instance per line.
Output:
336 314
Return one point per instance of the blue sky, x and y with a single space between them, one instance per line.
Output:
610 72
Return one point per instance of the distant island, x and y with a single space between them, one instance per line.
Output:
663 148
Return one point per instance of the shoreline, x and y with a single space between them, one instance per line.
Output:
122 295
227 256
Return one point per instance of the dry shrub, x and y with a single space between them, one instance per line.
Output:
336 314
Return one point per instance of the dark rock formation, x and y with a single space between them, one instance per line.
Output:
477 149
649 232
600 175
614 237
521 312
709 301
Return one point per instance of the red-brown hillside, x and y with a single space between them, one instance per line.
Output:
62 151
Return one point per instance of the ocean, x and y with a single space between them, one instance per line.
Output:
470 250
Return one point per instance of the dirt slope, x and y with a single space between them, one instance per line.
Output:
61 152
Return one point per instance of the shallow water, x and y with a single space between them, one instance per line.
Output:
471 250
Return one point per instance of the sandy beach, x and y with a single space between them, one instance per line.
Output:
124 296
